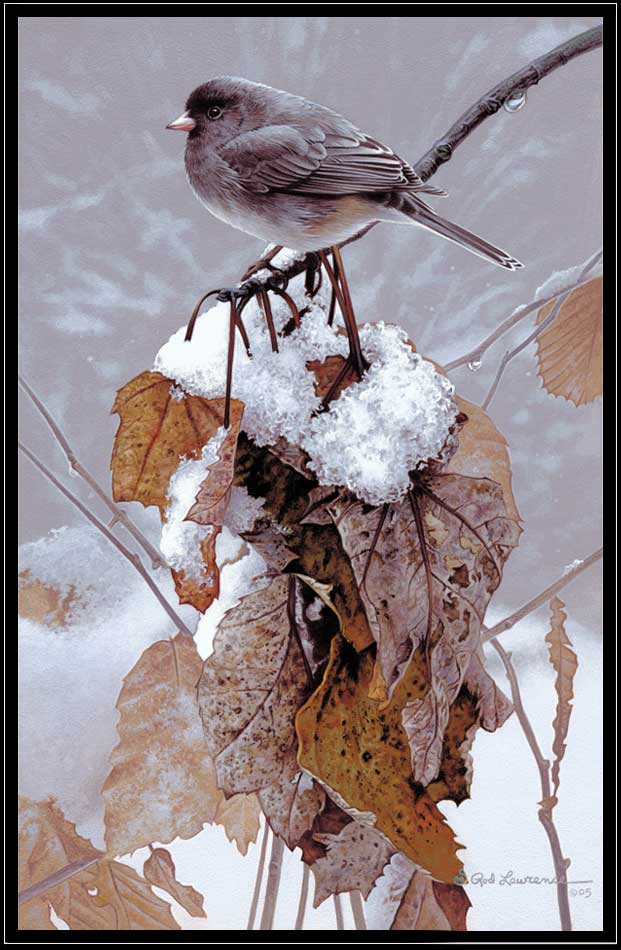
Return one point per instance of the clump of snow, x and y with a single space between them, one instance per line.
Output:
396 418
180 541
381 428
243 510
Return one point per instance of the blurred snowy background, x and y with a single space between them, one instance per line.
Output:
115 250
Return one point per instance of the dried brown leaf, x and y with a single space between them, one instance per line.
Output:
259 674
213 497
354 858
162 782
405 898
112 896
570 351
200 592
43 603
35 915
159 870
565 664
291 804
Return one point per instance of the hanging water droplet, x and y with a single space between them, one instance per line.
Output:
475 365
516 101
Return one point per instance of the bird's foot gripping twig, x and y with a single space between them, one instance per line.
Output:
263 263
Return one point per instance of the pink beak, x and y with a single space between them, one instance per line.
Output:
185 123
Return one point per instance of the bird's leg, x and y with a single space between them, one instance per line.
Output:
313 278
230 294
344 301
263 262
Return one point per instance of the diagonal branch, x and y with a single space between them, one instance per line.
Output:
442 150
131 557
541 598
118 515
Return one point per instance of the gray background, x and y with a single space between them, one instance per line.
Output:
115 249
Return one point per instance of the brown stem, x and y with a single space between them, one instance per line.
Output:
259 878
229 364
541 598
545 817
425 556
376 536
357 907
266 308
332 309
119 516
273 883
342 373
358 361
299 920
295 313
338 910
560 300
131 557
443 150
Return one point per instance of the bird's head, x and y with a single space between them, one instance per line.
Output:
222 108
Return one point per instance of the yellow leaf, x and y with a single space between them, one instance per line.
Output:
162 782
159 870
570 349
112 896
363 755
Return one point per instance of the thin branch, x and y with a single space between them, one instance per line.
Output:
541 598
560 300
273 883
58 877
338 910
299 920
259 878
442 150
119 515
357 907
131 557
560 863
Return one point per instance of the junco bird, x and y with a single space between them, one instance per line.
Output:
294 173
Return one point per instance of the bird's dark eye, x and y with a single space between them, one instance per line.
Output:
214 112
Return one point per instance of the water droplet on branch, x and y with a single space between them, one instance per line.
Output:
475 365
516 101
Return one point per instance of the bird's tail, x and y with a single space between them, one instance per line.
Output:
423 215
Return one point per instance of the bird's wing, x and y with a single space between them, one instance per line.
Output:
324 157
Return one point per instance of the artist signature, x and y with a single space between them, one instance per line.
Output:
511 879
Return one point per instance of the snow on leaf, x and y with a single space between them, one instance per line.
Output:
162 782
361 752
354 858
240 818
291 804
565 664
159 446
47 842
159 870
257 677
570 350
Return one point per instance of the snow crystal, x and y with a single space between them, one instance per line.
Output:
380 429
180 541
571 567
243 510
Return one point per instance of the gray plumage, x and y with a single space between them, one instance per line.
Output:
295 173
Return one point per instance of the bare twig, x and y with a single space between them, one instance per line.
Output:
273 883
259 878
560 863
338 910
442 150
560 300
131 557
541 598
299 920
58 877
355 899
120 516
